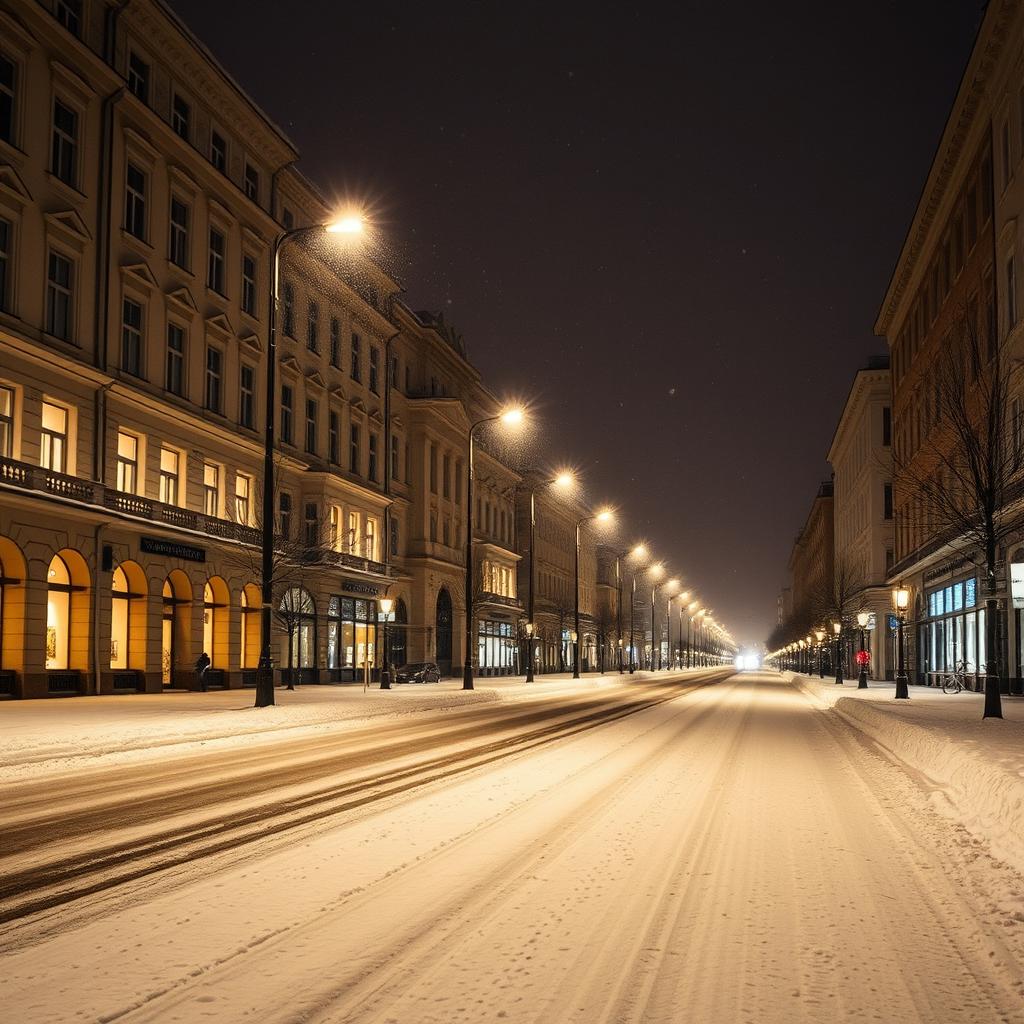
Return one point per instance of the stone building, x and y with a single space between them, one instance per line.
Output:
959 276
141 194
861 458
811 560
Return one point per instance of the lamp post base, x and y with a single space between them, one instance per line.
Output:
902 686
467 678
862 679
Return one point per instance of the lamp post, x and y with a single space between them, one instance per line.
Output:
265 671
618 608
837 629
637 555
672 585
604 516
386 604
819 635
862 676
510 417
901 602
656 572
691 635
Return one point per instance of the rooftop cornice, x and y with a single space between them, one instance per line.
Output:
988 48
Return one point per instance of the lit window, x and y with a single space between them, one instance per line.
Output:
169 476
211 489
53 439
243 499
6 422
127 462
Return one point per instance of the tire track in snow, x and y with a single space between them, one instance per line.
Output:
385 965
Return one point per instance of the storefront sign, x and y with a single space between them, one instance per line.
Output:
358 587
171 549
1017 583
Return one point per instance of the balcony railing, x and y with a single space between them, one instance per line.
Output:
489 597
36 478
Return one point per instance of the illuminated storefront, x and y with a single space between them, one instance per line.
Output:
351 637
953 630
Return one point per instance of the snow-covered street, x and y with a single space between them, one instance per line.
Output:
702 848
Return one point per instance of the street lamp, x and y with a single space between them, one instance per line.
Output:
683 598
820 636
837 629
386 604
510 417
901 602
862 676
656 572
351 225
638 556
605 516
672 585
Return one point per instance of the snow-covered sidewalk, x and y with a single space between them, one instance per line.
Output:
977 765
60 735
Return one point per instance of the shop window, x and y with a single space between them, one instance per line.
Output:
351 634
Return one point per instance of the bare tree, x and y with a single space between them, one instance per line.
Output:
963 476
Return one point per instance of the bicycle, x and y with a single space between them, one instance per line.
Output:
955 681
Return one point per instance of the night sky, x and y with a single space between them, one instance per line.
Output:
670 228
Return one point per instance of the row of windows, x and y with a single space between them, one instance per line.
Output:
961 235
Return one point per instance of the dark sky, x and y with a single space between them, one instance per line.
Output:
670 227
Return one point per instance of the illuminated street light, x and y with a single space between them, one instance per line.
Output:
862 658
901 602
510 416
604 517
265 669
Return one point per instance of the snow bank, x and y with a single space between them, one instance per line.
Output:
978 764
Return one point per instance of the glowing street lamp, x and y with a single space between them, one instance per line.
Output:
656 571
638 556
265 669
862 657
510 417
901 602
604 517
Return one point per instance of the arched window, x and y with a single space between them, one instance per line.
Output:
12 609
297 614
177 596
58 614
128 617
215 621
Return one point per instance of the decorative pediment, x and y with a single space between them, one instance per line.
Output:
70 224
182 297
338 392
313 377
290 363
220 212
375 416
138 274
220 324
12 186
397 421
357 406
140 142
251 341
182 179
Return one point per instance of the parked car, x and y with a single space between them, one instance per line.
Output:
419 672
